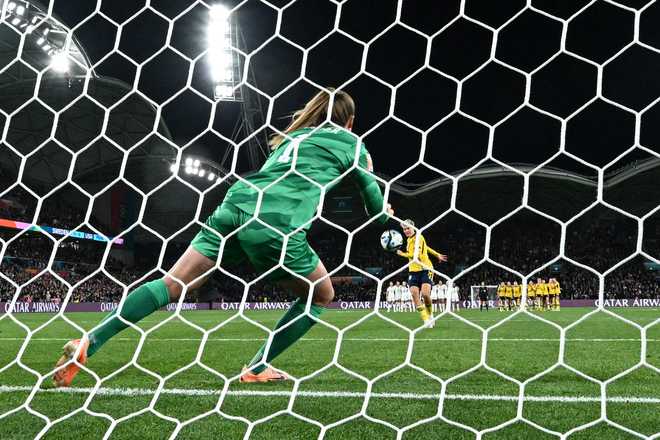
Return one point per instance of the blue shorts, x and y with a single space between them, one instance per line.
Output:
418 278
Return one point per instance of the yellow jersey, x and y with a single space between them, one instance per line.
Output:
531 289
500 291
517 291
422 262
554 288
542 289
508 291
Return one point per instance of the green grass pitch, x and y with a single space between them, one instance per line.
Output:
444 361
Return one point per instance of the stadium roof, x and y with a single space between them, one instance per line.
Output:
80 122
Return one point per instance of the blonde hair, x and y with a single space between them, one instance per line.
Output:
316 111
408 224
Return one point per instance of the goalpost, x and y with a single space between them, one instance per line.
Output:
228 80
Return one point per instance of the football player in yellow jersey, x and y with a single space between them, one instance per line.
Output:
531 295
420 268
542 291
555 291
517 293
551 294
508 294
501 296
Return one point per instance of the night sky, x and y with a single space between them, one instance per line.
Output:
599 133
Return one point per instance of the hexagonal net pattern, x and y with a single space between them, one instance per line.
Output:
510 85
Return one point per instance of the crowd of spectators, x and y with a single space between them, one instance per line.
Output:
520 245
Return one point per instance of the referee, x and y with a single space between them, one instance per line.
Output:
483 296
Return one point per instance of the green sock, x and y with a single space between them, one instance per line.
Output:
139 303
284 339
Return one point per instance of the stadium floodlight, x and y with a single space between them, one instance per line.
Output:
15 21
20 10
201 173
189 161
219 13
40 41
11 6
59 62
221 58
211 176
196 163
189 170
223 91
173 168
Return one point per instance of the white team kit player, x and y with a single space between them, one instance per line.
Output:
455 298
442 296
389 296
397 296
434 297
406 297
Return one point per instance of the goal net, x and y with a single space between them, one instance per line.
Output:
520 137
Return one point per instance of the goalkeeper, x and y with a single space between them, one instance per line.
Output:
321 152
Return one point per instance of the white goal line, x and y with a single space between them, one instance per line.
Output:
131 392
363 339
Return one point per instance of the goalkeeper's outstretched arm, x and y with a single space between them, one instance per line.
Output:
369 189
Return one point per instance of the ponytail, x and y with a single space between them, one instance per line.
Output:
315 112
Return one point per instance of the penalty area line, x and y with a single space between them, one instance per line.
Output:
131 392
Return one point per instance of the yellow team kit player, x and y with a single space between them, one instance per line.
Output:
517 293
531 294
554 290
420 268
542 292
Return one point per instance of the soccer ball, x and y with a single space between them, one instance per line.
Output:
391 240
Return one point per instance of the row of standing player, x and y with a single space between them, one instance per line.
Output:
399 297
541 295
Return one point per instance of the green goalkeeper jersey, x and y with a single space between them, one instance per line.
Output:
323 155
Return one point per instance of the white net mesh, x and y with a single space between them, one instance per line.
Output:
515 80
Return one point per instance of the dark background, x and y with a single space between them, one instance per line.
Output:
598 134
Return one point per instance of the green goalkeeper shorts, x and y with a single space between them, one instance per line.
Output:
254 242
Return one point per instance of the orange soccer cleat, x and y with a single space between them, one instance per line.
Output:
64 376
268 375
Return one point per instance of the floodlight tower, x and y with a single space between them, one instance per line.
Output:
223 34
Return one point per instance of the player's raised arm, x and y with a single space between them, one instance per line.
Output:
436 254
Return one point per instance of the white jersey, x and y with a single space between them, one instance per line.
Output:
407 296
454 294
442 292
434 292
389 297
397 293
